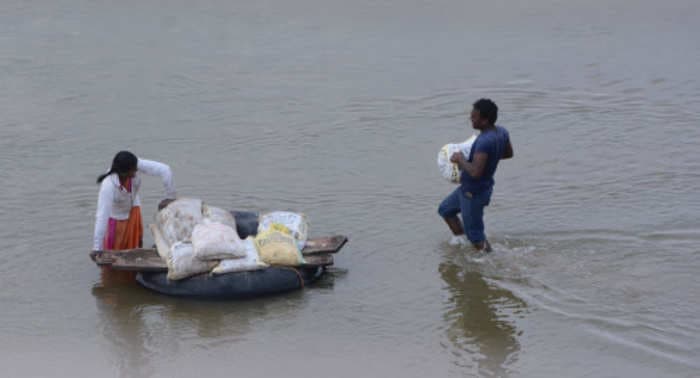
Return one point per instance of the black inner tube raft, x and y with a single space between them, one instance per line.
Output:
249 284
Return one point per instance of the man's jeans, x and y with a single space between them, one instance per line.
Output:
472 208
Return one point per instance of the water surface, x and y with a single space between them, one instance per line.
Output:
338 109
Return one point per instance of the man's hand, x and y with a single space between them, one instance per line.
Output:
457 158
164 203
476 168
94 254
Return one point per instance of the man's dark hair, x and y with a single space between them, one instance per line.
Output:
487 109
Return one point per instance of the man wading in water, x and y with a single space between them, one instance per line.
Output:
476 182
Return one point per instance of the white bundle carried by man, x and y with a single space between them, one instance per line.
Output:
296 223
449 170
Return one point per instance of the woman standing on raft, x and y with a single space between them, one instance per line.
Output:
118 222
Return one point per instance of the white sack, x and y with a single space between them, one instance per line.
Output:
251 261
216 214
216 241
176 222
183 264
161 246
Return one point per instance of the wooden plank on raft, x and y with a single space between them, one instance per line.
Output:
142 260
317 252
329 244
153 263
324 259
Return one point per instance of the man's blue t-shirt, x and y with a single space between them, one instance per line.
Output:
492 142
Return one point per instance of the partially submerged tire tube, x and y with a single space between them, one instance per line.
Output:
237 285
250 284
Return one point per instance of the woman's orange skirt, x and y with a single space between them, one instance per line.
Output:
123 234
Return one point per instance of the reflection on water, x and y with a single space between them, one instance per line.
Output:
116 278
121 307
143 328
481 337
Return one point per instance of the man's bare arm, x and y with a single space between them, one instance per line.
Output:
476 168
508 152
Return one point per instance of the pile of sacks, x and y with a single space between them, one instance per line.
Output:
193 238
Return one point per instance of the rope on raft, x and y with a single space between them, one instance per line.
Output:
301 279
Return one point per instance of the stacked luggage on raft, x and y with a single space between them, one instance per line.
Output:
205 251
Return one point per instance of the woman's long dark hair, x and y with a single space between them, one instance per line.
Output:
123 163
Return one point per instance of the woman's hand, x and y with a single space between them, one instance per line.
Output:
105 258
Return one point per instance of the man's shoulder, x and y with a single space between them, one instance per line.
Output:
491 136
499 135
483 142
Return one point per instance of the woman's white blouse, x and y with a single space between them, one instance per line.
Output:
115 202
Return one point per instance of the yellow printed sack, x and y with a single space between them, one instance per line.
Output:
281 228
278 248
